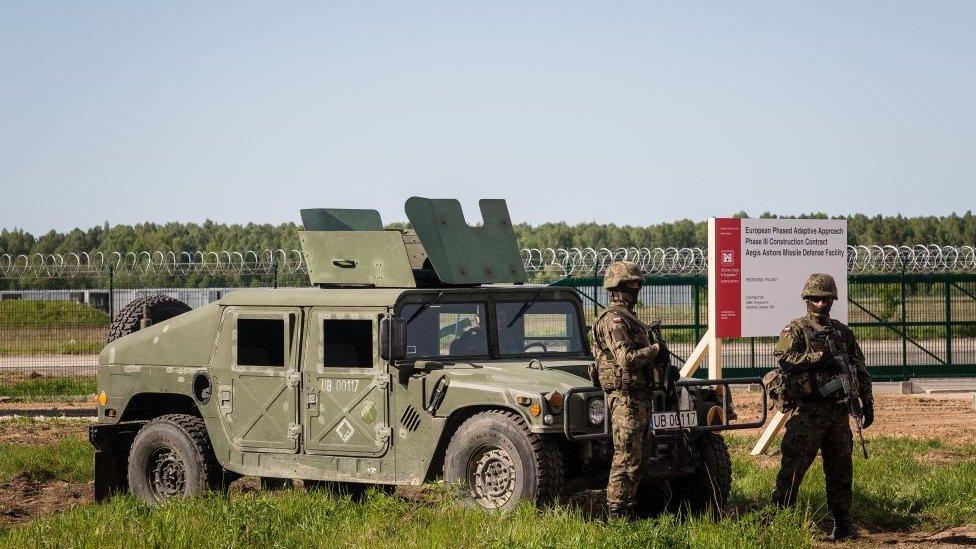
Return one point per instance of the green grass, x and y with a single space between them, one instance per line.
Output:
71 460
300 519
41 387
63 340
905 485
50 327
46 314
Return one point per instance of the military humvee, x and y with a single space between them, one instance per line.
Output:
415 355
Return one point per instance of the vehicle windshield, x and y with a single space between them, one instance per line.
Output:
531 326
446 329
527 327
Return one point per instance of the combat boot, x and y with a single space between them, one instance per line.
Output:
625 513
844 528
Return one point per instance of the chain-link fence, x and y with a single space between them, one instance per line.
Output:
917 322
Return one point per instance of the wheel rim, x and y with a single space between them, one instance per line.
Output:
167 474
491 477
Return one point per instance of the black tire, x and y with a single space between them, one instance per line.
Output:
171 457
708 487
498 461
161 307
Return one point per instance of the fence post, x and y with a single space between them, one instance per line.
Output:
596 269
948 320
111 293
752 353
696 314
904 328
274 274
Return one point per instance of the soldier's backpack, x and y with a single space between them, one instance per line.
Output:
775 383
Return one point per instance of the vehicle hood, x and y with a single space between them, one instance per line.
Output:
529 375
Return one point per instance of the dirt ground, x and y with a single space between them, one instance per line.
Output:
23 499
45 431
78 408
952 538
947 417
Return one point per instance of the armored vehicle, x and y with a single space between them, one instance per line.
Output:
414 355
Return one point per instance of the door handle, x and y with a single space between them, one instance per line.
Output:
312 404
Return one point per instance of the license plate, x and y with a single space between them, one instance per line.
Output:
669 420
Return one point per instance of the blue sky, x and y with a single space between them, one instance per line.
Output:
629 112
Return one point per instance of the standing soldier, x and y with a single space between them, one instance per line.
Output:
820 420
624 355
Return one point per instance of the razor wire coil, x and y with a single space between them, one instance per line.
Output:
667 261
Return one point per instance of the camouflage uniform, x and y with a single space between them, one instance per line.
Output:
818 423
624 354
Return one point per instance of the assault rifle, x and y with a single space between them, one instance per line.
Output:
663 358
847 381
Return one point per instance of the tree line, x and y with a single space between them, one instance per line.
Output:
897 230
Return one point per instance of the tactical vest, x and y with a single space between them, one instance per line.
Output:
636 380
807 384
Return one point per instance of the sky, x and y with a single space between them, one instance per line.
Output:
625 112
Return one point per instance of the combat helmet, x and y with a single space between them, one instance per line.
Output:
620 272
820 285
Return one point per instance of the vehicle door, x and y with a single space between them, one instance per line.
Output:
345 410
256 368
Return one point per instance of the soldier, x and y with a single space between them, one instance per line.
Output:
819 422
624 354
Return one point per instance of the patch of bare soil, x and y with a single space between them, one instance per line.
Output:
41 432
22 499
948 417
951 538
74 407
7 377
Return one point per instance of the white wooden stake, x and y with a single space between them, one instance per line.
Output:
775 424
714 343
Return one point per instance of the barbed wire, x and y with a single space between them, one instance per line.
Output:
559 261
694 261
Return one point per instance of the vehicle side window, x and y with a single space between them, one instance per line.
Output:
348 343
540 327
446 330
260 342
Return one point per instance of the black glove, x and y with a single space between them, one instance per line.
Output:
868 409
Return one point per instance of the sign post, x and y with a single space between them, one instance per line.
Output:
756 270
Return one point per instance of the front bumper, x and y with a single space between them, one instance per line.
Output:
576 423
703 424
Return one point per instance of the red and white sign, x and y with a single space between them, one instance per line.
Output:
758 267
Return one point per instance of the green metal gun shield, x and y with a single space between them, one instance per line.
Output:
462 254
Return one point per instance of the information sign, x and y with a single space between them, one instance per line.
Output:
758 267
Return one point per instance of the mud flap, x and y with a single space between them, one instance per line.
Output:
111 444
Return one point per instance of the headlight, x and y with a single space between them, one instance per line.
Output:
596 411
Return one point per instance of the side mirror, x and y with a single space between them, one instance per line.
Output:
393 339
